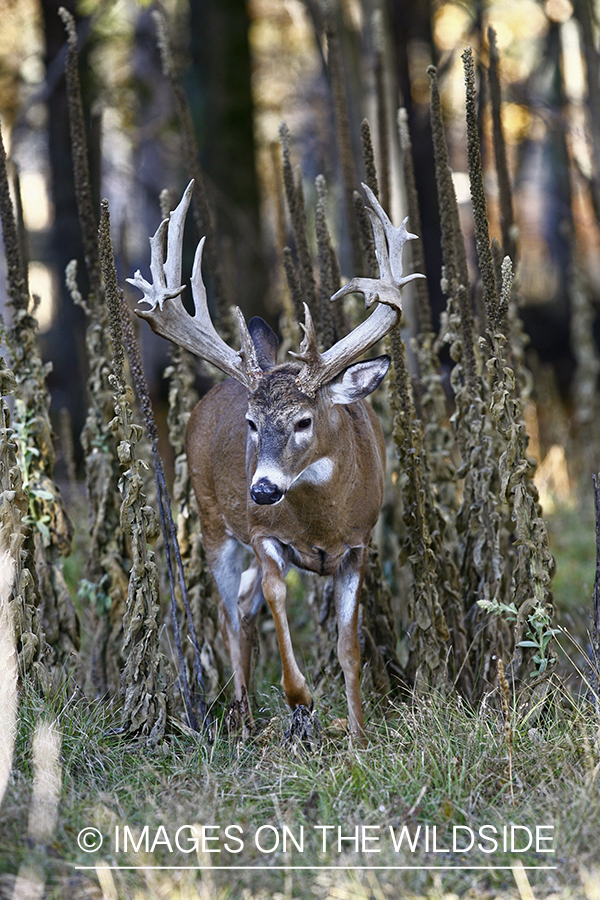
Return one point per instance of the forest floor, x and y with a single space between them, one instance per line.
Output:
444 802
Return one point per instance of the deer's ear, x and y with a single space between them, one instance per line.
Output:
265 342
359 380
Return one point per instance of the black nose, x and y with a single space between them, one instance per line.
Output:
264 492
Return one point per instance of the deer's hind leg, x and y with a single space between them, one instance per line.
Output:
347 584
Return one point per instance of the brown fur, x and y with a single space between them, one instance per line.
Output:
321 527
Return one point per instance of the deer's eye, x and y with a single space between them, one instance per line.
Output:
251 425
303 424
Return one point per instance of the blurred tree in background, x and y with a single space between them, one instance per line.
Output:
245 67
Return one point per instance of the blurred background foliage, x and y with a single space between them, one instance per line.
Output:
246 66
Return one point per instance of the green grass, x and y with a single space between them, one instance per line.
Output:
571 530
430 762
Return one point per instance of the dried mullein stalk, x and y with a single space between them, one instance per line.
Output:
507 219
105 582
144 713
365 233
303 276
482 232
194 698
532 611
371 179
326 275
182 399
81 172
429 631
529 607
437 433
482 540
104 586
509 736
51 529
22 601
372 182
377 633
332 315
425 325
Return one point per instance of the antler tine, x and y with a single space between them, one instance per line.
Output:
194 333
385 291
389 241
309 351
156 292
175 245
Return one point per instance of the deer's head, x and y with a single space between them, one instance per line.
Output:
293 407
293 436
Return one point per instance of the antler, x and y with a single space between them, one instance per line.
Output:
168 317
385 290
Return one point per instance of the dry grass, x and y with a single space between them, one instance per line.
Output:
430 762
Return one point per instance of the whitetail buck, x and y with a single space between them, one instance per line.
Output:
286 459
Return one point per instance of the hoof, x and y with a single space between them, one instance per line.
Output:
238 718
304 732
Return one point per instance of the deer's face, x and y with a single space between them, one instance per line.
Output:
286 431
294 439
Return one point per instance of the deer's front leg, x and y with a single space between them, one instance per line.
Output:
347 584
273 561
225 560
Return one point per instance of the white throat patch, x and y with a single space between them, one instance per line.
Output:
319 472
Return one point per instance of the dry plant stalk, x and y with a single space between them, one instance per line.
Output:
46 521
532 573
509 735
372 181
182 398
21 613
81 170
481 540
194 699
145 699
105 583
429 633
530 606
507 219
331 314
368 155
300 276
438 436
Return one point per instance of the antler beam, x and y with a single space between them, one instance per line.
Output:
168 317
385 291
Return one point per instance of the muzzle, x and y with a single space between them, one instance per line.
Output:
265 493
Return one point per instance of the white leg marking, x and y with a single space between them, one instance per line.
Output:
227 573
348 587
273 550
